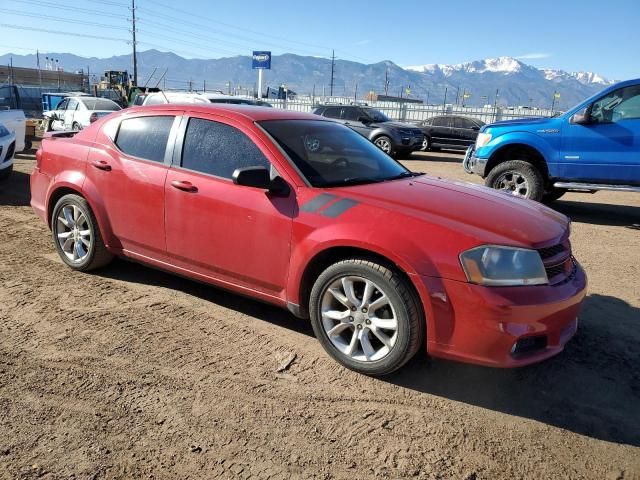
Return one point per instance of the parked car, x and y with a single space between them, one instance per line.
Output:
393 138
449 131
15 122
76 113
159 98
7 150
593 146
234 100
302 212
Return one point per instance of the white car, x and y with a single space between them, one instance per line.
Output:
158 98
15 121
235 100
7 149
76 113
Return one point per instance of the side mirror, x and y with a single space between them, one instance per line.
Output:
582 117
364 120
475 128
259 177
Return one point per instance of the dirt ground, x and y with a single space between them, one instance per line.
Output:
133 373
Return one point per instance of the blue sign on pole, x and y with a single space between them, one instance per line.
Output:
261 60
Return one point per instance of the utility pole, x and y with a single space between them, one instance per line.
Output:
133 31
355 95
333 65
444 104
386 81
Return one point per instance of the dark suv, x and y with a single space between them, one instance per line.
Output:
394 138
449 131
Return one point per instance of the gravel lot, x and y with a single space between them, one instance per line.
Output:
133 373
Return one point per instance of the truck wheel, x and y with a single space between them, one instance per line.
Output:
553 194
385 144
76 127
426 144
517 177
76 234
366 317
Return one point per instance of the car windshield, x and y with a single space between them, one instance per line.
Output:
100 104
376 115
329 154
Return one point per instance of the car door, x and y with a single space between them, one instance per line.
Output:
57 122
441 130
352 116
231 233
464 131
69 114
129 180
607 147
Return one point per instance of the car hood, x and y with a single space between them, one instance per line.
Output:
486 215
519 122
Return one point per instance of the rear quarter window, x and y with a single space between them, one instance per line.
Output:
145 137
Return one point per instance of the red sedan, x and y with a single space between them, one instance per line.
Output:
307 214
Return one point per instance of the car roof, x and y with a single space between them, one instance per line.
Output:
247 112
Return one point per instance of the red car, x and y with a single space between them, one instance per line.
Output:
307 214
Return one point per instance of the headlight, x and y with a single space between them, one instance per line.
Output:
503 266
483 139
3 131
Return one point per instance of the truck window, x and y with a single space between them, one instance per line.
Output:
622 104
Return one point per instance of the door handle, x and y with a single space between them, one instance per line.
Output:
184 186
102 165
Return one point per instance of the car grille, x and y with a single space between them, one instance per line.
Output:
558 263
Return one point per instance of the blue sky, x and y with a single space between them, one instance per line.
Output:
572 35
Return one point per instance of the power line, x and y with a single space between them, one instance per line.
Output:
62 19
80 35
41 3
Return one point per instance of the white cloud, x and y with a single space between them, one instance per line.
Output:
533 56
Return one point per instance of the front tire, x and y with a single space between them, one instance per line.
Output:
517 177
76 234
366 316
385 144
426 144
76 127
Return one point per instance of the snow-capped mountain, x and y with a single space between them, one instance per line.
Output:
508 66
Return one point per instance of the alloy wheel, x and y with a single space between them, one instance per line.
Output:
514 183
359 318
73 232
384 145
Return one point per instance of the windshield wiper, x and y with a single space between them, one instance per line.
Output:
405 175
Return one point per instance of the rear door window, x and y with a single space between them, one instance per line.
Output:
459 122
441 122
332 112
219 149
350 113
145 137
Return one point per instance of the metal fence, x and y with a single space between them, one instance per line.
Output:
416 112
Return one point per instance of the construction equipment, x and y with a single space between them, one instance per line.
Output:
118 86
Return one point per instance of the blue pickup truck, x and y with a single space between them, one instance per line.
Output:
593 146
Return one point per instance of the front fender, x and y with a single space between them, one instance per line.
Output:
404 252
537 142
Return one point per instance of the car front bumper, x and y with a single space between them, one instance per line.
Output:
473 164
502 326
7 150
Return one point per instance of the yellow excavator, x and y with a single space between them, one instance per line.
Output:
117 86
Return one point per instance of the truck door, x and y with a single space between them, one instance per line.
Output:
606 149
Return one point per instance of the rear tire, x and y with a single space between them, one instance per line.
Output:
518 177
426 144
366 316
76 234
76 127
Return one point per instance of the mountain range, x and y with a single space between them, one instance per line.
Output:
515 82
